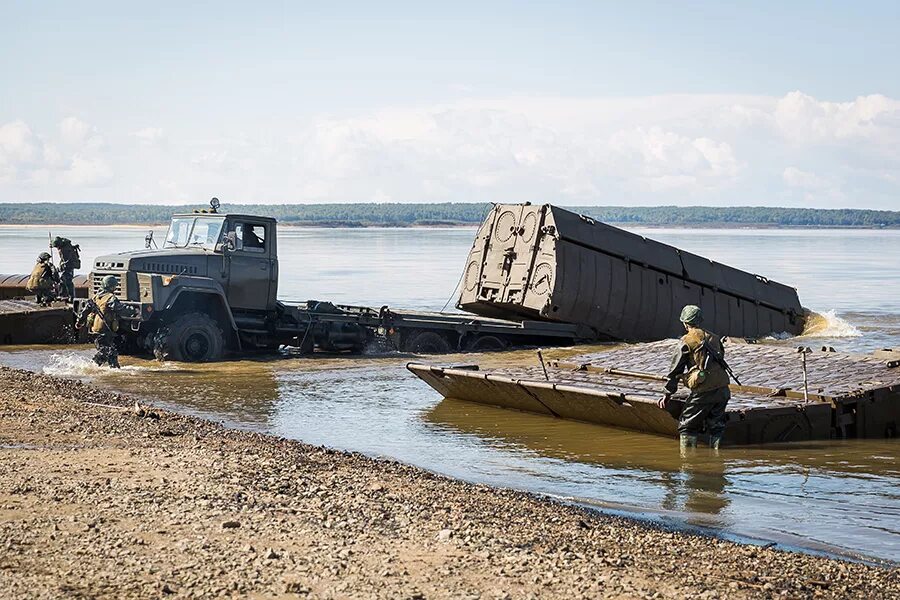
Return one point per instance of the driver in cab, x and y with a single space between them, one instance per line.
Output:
250 240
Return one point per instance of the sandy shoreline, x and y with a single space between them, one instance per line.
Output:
102 500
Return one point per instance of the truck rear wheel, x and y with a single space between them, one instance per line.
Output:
427 342
194 337
486 343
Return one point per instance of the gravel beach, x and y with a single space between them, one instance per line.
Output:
104 498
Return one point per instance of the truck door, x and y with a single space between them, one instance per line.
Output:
250 271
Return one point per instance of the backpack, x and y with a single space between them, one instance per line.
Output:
70 254
705 373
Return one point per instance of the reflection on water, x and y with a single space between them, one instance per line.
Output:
840 495
797 493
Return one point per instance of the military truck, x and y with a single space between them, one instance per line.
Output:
536 275
212 289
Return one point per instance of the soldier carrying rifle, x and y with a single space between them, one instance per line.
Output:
699 361
101 316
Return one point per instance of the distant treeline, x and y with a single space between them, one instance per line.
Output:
404 215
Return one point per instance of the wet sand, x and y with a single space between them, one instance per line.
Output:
99 498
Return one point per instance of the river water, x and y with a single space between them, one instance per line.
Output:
840 496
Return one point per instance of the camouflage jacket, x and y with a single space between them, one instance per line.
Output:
42 278
694 363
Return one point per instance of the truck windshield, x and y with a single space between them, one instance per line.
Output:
198 232
179 232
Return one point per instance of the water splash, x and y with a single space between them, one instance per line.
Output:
72 364
828 325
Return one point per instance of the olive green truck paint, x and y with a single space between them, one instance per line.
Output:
212 288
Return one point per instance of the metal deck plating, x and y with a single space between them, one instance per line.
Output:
849 396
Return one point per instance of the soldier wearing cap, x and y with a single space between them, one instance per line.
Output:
43 280
69 260
101 315
699 361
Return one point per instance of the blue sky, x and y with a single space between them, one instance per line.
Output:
566 102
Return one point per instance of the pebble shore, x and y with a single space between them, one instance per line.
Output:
101 497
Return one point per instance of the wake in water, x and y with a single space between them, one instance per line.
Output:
70 364
828 325
821 325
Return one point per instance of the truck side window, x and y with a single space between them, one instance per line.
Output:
252 238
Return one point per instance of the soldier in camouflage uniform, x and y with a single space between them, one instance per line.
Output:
43 280
699 361
69 260
101 315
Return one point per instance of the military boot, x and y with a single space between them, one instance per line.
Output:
687 445
688 441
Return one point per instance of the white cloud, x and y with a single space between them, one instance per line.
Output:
74 132
803 119
657 160
814 189
149 136
73 158
675 149
796 178
380 197
87 172
18 149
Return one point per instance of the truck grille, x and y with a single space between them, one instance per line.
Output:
97 284
174 269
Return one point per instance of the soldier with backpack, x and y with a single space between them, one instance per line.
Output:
69 260
699 361
43 280
101 316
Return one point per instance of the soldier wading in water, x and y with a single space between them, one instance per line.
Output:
101 315
699 361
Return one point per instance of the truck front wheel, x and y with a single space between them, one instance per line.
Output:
194 337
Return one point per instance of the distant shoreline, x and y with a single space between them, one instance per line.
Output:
450 214
624 225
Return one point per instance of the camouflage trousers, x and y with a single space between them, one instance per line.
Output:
67 283
704 412
44 296
107 351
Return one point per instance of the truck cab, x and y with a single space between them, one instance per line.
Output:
213 281
240 252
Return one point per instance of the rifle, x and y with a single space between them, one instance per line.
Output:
92 306
710 351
